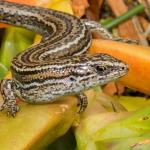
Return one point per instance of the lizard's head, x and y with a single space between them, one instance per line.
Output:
98 70
108 68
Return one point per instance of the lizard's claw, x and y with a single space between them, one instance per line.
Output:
11 108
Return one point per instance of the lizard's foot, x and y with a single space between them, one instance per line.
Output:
11 107
9 98
83 102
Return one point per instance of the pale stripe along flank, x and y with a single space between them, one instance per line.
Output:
58 65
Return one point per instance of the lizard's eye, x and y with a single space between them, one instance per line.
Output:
101 68
123 68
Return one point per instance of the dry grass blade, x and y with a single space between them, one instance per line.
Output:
146 4
140 31
126 29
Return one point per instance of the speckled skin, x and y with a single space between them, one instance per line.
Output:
58 65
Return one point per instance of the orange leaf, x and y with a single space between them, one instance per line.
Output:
137 57
28 2
3 25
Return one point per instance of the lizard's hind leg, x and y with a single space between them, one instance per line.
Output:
104 33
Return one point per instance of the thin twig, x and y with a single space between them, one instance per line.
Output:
147 32
140 31
146 4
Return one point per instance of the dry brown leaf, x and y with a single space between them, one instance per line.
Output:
113 88
120 88
93 10
110 88
79 7
144 23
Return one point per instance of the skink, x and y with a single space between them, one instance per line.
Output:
58 65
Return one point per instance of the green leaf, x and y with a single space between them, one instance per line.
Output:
15 40
133 143
3 71
107 130
136 124
36 126
129 102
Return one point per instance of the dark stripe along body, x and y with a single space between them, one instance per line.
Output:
56 66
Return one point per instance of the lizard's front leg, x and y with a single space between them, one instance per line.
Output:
82 101
7 92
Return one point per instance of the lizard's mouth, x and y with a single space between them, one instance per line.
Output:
110 70
121 69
